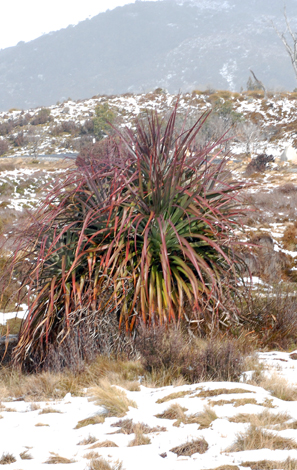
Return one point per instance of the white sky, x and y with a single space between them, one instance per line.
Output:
24 20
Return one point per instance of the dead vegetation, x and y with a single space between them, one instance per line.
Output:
102 464
256 438
264 419
140 439
175 411
128 427
49 410
26 455
7 458
97 419
114 401
220 391
235 403
197 446
103 444
87 440
288 464
57 459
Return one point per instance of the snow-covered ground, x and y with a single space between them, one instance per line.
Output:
24 428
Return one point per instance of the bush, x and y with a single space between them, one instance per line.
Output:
3 146
172 350
104 118
42 117
259 164
272 318
144 230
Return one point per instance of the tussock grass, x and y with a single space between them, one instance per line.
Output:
205 418
264 419
91 455
87 440
140 439
278 386
54 385
220 391
289 464
256 438
128 427
235 403
115 401
175 411
34 407
102 464
103 444
57 459
173 396
25 455
7 458
197 446
96 419
49 410
226 467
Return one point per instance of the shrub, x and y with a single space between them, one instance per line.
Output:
143 231
42 117
171 350
104 118
259 164
3 146
272 318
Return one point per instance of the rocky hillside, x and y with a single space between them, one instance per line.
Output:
172 44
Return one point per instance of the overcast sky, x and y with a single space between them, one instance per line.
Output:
24 20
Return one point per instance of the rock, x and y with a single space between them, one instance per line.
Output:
289 155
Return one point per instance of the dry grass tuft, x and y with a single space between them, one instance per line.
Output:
173 396
7 459
115 401
255 438
140 439
174 411
204 419
235 403
289 464
128 427
103 444
226 467
220 391
57 459
264 419
34 407
97 419
49 410
50 385
102 464
87 440
279 387
197 446
25 455
91 455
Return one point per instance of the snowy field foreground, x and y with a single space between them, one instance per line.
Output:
41 431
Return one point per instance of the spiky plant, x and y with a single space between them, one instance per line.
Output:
143 231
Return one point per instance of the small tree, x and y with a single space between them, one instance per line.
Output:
289 40
104 118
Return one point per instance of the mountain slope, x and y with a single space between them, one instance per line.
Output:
170 44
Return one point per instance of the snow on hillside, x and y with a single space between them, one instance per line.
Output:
275 116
